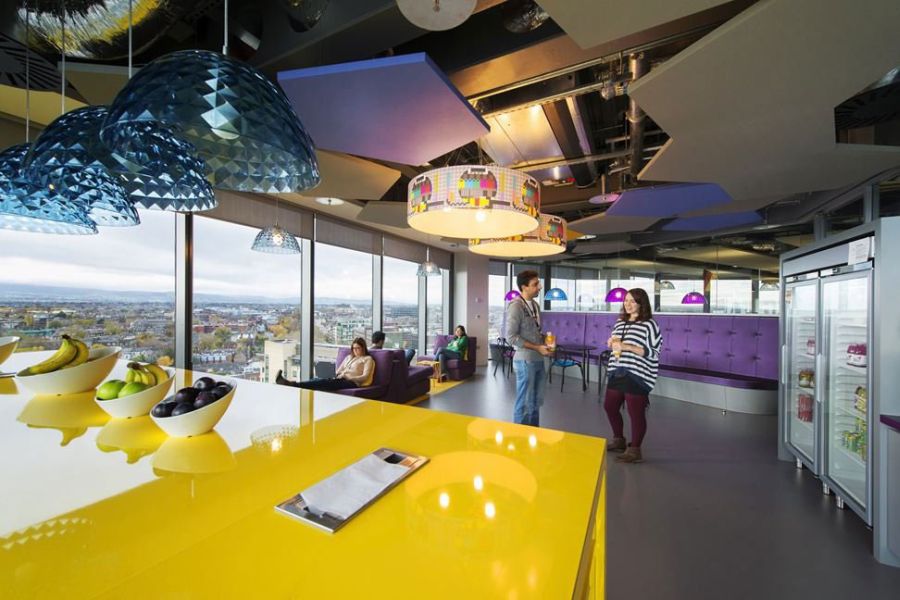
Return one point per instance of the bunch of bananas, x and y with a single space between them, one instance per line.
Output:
71 353
148 374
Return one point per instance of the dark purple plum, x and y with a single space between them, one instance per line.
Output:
218 392
163 409
205 383
181 408
224 387
204 398
187 394
223 383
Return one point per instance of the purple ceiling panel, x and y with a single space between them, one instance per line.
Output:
667 200
714 222
401 108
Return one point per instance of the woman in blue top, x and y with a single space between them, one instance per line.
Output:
633 367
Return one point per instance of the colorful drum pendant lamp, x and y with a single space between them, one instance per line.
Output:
69 159
546 239
24 207
240 123
555 294
477 202
617 294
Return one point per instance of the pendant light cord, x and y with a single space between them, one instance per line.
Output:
27 76
63 98
225 40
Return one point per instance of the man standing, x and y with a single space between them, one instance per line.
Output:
523 331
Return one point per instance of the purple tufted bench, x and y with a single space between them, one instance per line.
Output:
394 380
726 361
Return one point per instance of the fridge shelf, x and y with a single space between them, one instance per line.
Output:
852 412
851 455
856 370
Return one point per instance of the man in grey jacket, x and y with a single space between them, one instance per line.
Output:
523 331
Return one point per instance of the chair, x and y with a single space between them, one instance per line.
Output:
565 362
602 366
502 354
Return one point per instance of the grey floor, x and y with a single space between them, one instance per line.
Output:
711 513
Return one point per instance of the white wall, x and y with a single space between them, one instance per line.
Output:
470 307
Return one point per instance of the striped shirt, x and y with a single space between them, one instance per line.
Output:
642 369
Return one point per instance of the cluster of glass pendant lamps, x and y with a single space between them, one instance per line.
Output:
496 208
187 122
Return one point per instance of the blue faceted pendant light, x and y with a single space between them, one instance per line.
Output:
26 208
69 159
275 240
554 294
240 123
164 172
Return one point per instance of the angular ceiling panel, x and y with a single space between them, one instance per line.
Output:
350 177
714 222
401 108
668 200
520 136
603 224
384 213
748 107
601 21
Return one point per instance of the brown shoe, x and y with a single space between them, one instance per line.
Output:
631 455
617 445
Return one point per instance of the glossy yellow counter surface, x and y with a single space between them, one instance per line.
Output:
113 508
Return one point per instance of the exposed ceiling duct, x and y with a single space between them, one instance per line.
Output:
521 16
638 66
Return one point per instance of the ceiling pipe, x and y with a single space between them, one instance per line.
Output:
638 67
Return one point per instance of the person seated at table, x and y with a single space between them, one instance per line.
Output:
356 370
377 340
455 349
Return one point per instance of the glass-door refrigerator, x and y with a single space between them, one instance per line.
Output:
845 384
801 419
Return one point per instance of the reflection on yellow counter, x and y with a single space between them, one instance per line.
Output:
500 511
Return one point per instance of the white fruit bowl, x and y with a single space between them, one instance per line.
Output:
197 421
137 405
7 347
77 379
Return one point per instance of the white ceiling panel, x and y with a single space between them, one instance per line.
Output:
751 105
519 136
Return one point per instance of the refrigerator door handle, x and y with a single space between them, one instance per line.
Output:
818 375
784 365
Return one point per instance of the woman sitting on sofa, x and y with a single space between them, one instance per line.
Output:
455 349
357 370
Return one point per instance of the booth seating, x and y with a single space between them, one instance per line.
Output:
725 361
394 381
457 368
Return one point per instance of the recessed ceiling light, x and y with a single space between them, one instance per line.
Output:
330 201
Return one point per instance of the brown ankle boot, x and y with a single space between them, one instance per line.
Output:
617 445
631 455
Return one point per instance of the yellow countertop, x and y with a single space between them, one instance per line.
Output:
113 508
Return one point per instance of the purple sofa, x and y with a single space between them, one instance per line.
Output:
394 380
457 368
735 352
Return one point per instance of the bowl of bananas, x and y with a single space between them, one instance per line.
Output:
7 347
144 385
71 369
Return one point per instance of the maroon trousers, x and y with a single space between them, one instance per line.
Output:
637 414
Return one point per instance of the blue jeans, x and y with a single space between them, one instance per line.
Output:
442 355
530 387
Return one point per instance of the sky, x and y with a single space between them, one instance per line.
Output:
142 258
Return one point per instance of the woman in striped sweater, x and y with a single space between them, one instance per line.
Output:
633 366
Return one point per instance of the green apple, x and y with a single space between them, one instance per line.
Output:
132 388
110 389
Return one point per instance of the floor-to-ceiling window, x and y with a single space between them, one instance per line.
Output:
342 306
731 296
400 303
498 286
116 288
246 313
563 278
670 299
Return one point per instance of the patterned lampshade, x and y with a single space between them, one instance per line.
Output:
241 124
275 240
26 208
477 202
69 159
548 238
617 294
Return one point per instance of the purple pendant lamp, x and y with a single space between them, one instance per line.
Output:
511 295
693 298
617 294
